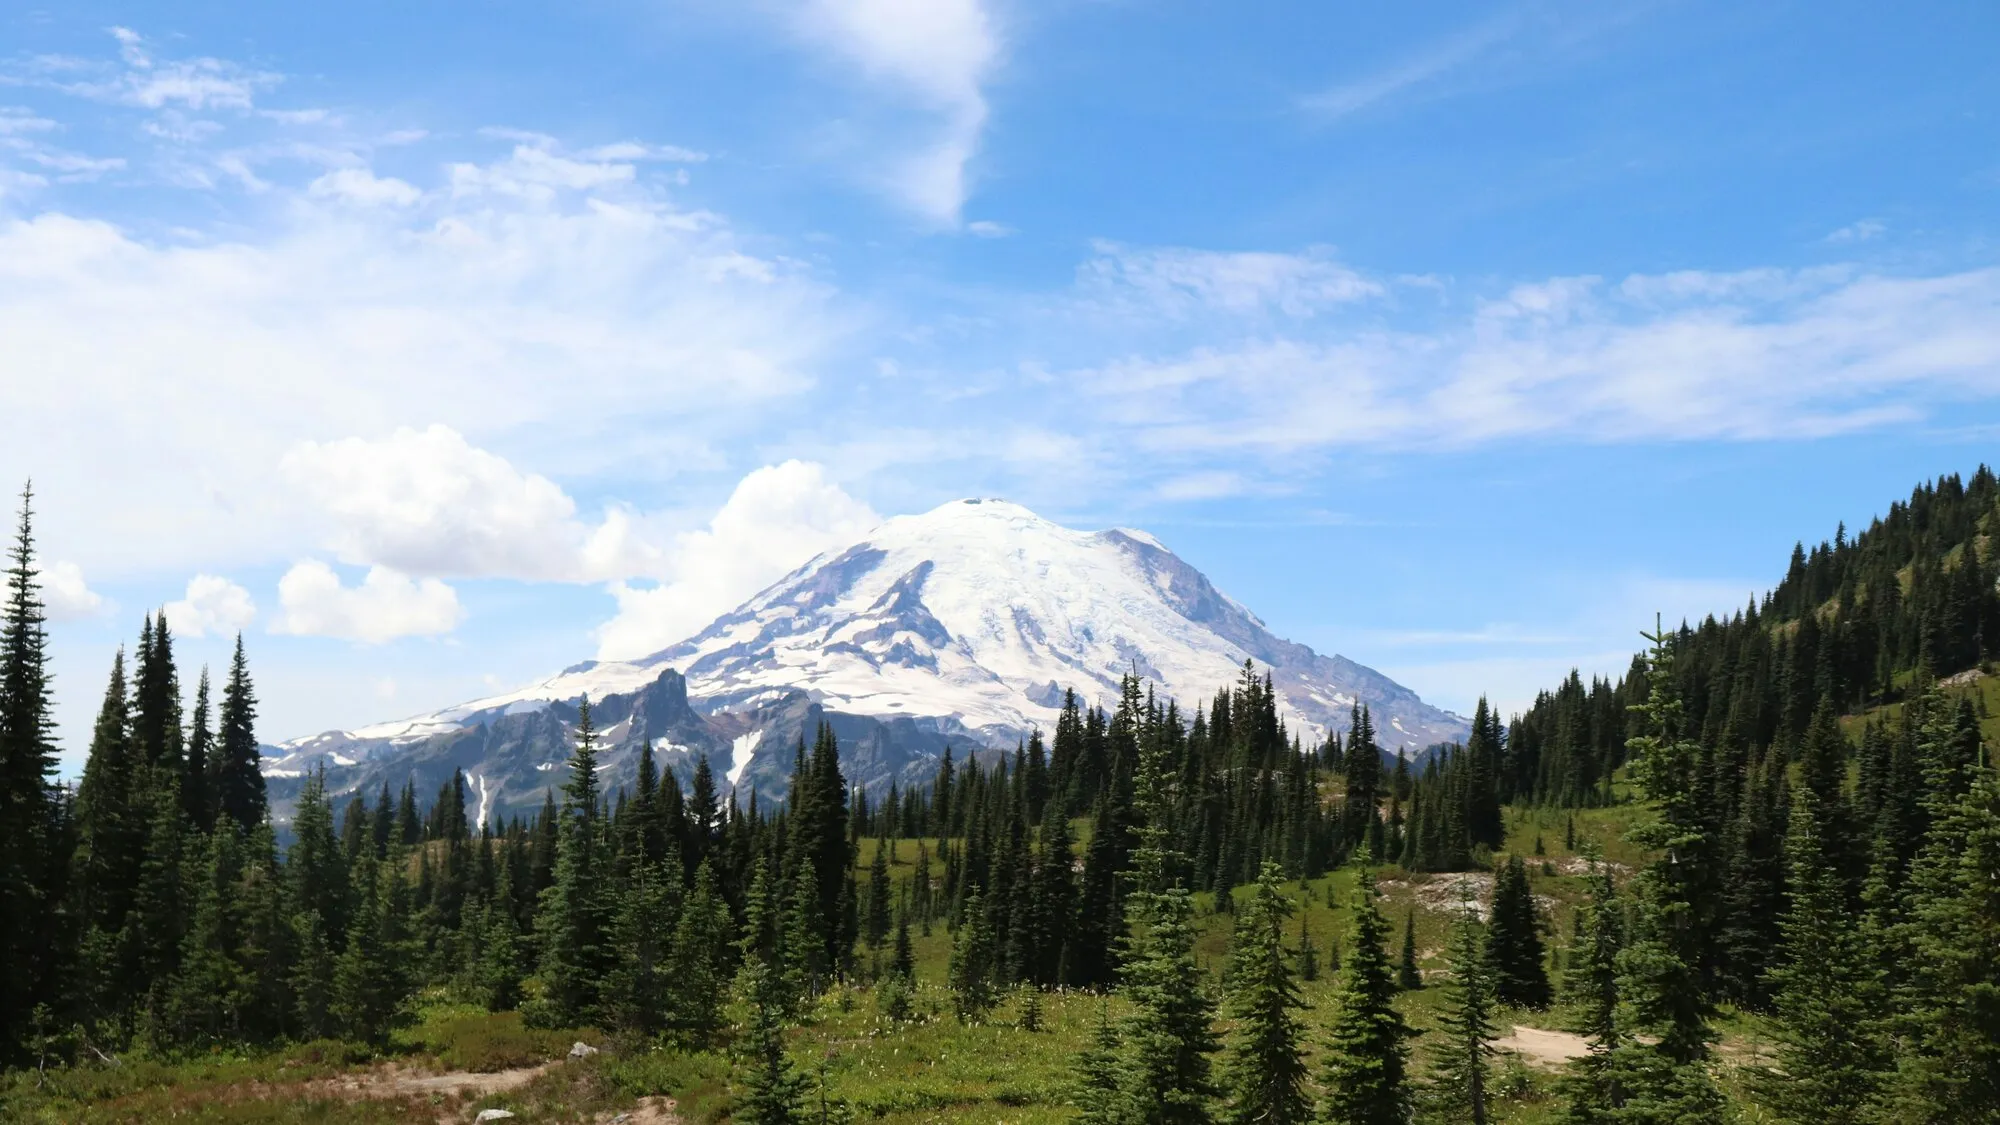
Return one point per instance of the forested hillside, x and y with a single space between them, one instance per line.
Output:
1835 892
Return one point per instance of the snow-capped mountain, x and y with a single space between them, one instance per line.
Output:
961 626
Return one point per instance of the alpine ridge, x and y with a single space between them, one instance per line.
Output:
962 626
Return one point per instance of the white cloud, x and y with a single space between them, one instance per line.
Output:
516 307
146 82
936 54
1181 282
1416 70
65 595
777 518
1861 231
360 186
428 502
986 228
1760 355
212 606
385 606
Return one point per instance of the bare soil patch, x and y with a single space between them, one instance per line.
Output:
1544 1048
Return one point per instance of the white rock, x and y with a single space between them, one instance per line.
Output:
581 1049
494 1115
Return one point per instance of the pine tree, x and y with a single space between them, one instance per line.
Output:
700 961
499 970
1514 941
572 920
904 962
875 926
1265 1069
1166 1041
1462 1056
1830 1065
368 979
772 1090
239 780
29 828
972 963
212 990
1098 1096
637 991
1364 1071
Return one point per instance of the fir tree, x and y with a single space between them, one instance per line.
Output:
1265 1068
1514 940
239 780
875 926
1829 1062
1367 1050
700 962
1462 1056
772 1090
571 922
637 990
28 808
972 963
212 989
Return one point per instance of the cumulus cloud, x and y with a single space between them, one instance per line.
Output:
535 292
386 605
777 518
212 606
65 595
936 54
428 502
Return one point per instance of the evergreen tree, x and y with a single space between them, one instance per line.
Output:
1462 1057
1365 1067
699 959
212 990
1514 941
1265 1069
368 978
239 780
772 1090
972 963
637 991
1164 1065
875 926
1829 1062
30 830
572 920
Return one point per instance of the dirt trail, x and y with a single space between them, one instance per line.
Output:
1543 1048
649 1111
396 1082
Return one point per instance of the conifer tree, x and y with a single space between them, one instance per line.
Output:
367 977
903 963
212 989
1364 1071
29 862
203 765
772 1090
1829 1062
1264 1071
1164 1064
972 963
1098 1095
239 780
699 959
875 926
1463 1052
1514 940
572 919
637 992
499 969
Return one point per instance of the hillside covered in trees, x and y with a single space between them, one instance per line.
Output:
1811 842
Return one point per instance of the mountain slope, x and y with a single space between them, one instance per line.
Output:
960 626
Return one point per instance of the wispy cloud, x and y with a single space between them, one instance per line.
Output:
1426 65
935 55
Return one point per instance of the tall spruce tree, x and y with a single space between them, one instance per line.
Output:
1364 1069
1461 1058
1830 1062
30 828
1264 1071
571 923
1514 940
239 780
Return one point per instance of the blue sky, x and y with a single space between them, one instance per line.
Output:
439 347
